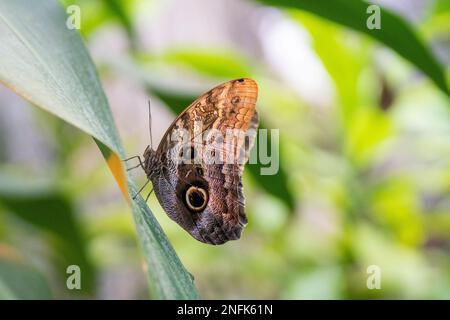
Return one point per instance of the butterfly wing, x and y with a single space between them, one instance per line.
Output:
213 130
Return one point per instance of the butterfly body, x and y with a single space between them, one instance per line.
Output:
206 197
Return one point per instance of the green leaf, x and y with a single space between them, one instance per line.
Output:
21 282
118 9
441 6
46 63
223 63
343 64
395 32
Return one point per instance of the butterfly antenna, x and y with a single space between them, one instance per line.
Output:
150 123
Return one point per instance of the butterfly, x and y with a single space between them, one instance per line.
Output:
206 197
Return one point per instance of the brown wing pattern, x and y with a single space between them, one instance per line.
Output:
227 106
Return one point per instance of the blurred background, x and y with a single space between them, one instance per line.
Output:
364 157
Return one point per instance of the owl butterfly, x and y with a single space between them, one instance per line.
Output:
196 171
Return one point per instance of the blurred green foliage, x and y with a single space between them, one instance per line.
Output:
19 281
364 182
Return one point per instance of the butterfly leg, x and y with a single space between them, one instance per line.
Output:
140 190
141 164
131 158
148 196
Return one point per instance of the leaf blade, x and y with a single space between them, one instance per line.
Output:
47 64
